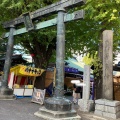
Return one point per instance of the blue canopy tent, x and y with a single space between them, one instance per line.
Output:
74 67
73 63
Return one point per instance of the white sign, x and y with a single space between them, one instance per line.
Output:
38 96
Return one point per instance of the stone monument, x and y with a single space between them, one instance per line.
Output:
85 104
106 106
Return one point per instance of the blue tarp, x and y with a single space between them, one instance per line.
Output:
75 64
74 67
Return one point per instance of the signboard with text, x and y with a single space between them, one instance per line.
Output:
38 96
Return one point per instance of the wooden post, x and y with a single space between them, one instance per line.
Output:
108 64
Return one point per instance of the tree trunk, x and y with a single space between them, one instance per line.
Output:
99 78
41 60
40 81
42 54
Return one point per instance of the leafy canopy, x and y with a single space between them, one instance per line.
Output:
81 36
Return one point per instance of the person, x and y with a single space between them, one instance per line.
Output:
81 89
76 93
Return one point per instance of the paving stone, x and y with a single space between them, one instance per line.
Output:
112 103
110 109
100 101
99 118
118 108
98 112
111 115
99 107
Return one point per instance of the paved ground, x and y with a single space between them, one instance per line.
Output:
20 109
24 109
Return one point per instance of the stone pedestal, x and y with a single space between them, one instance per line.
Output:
6 94
86 105
58 104
57 115
107 108
57 109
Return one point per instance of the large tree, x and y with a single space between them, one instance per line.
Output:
40 43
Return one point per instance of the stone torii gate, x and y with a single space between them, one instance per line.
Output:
58 102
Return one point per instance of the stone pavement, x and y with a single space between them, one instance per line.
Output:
20 109
24 109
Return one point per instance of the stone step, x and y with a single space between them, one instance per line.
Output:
99 118
91 117
88 118
57 115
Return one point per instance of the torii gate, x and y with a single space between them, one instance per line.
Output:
57 103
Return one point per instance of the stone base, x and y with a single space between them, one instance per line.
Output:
86 105
7 97
57 115
6 94
58 104
107 108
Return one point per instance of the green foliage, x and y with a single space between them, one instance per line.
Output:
97 68
35 42
88 60
2 48
94 61
99 15
82 36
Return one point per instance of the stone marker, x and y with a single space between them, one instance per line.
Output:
86 80
107 107
85 104
108 64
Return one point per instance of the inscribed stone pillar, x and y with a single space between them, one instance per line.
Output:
108 64
85 104
86 80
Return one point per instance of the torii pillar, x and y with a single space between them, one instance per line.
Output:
5 92
58 107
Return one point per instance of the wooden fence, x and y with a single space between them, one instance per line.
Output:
116 88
